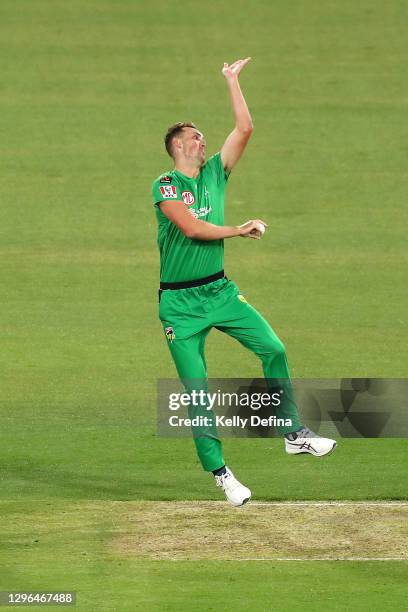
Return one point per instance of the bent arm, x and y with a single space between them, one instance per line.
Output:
196 229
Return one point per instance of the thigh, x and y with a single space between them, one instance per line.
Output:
183 313
242 321
186 326
189 356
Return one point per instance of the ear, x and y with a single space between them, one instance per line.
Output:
178 143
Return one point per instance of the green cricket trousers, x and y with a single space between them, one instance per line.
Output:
189 314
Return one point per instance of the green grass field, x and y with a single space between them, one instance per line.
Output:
87 91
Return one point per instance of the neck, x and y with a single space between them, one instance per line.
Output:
188 169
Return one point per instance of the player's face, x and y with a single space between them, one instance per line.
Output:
193 145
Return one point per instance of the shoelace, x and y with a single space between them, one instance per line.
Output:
219 480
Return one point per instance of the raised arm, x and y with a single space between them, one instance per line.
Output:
236 142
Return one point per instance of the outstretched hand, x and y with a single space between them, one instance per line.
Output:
232 71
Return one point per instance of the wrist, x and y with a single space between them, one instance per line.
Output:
232 80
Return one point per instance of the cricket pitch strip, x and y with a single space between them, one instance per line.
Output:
279 531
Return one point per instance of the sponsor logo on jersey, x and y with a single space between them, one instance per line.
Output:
188 198
201 212
168 191
170 335
165 179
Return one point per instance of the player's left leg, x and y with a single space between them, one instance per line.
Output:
240 320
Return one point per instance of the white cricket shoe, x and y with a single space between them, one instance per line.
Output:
308 442
235 492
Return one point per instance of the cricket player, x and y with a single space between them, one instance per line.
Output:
195 295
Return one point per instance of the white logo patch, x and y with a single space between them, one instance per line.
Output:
201 212
168 191
188 197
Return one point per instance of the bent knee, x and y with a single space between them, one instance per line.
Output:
274 346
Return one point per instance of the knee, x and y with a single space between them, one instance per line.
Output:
274 346
281 350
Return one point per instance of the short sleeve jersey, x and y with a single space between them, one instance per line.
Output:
182 258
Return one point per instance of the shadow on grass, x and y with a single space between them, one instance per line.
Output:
52 481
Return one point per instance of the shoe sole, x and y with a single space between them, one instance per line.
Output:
246 500
302 452
240 505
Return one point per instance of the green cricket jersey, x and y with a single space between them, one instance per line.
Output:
181 258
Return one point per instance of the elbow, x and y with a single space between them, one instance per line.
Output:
247 129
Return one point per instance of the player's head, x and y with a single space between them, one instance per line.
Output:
184 141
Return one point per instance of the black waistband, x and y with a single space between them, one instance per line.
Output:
194 283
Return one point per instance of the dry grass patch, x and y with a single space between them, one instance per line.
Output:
215 530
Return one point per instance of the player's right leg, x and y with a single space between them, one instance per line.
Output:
186 340
188 355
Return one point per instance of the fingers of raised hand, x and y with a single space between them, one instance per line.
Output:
239 64
236 67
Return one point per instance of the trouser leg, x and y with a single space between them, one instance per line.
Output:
243 322
189 358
